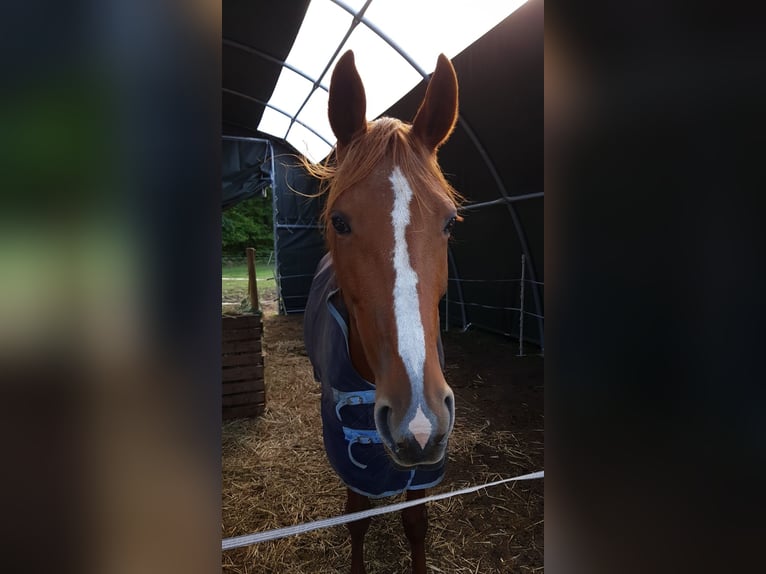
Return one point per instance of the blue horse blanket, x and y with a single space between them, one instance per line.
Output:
351 441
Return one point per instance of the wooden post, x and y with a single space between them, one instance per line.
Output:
252 286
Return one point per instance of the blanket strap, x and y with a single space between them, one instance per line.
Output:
352 398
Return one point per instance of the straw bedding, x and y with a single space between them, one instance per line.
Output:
275 472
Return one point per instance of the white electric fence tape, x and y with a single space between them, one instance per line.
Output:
248 539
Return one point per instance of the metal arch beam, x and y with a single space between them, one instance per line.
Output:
382 36
357 17
238 125
245 139
502 200
482 152
276 109
269 58
522 236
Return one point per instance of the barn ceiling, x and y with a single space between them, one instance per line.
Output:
278 57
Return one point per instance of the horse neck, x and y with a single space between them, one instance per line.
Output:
358 358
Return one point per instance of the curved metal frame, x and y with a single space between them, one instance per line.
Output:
272 59
276 109
358 17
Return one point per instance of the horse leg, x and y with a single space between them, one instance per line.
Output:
415 520
354 503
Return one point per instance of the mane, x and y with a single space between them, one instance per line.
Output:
384 137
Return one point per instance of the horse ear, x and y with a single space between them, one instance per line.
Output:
437 115
347 104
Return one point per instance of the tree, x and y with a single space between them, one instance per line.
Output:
250 223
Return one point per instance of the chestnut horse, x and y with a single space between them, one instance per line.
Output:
372 319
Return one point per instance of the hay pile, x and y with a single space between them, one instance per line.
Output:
275 474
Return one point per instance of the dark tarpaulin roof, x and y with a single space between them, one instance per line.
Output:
257 37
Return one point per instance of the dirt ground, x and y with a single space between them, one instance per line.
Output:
275 473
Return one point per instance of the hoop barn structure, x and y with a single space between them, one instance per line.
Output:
276 473
494 158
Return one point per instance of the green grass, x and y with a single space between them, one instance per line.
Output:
239 271
234 287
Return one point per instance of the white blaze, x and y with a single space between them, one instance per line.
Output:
420 427
409 326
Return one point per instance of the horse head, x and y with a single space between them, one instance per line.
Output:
388 218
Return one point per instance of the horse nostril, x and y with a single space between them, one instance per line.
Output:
382 416
449 402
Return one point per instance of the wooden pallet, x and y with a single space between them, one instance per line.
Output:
244 388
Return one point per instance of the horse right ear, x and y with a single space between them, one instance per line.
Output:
438 113
347 104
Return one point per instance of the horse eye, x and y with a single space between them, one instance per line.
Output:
450 225
340 225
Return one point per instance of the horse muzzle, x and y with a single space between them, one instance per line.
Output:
420 437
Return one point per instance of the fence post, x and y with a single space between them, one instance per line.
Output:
252 285
521 308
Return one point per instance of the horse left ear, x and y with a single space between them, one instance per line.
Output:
347 103
437 115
